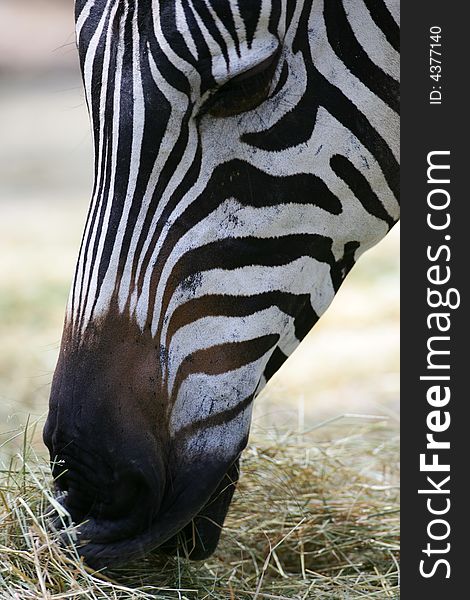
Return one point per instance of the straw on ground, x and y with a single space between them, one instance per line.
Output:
313 518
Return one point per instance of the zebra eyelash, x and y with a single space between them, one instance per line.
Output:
244 92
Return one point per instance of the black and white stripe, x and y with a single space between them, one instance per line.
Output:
227 237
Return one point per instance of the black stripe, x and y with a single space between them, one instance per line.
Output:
338 105
344 265
223 358
211 26
290 10
222 418
157 112
384 21
284 75
99 177
274 17
202 65
233 306
294 128
120 177
170 72
170 31
223 10
305 320
348 49
233 253
237 179
277 359
109 118
360 187
250 11
164 176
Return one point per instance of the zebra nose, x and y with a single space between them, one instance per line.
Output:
125 511
129 491
128 500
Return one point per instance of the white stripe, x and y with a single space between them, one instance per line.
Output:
220 442
89 276
282 24
201 396
214 330
329 137
223 31
353 224
382 118
83 16
97 144
183 27
186 68
137 137
108 286
394 8
372 39
178 103
304 275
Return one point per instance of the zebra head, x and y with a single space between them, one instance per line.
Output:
245 156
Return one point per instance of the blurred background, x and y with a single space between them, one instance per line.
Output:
347 364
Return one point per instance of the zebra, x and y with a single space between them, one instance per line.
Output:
245 156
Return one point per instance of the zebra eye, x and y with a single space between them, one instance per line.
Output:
242 93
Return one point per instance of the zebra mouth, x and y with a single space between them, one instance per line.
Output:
188 524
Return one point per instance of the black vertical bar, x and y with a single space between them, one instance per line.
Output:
442 126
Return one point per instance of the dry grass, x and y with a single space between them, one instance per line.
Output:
311 519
